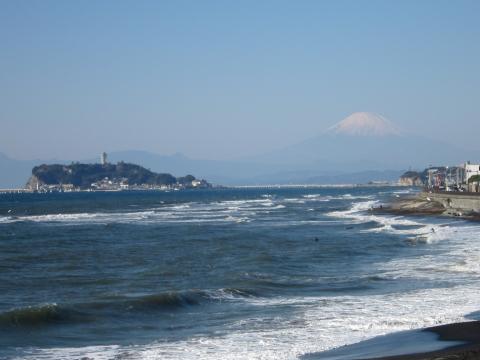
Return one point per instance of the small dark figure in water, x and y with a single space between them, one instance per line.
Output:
433 230
316 239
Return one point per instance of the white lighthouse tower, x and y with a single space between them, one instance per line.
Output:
103 158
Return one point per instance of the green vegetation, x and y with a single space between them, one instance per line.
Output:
414 176
411 174
474 178
83 175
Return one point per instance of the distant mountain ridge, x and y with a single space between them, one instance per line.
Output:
15 173
362 146
217 172
367 141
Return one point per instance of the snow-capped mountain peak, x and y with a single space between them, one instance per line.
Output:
365 124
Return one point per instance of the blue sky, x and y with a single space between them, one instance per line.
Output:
228 79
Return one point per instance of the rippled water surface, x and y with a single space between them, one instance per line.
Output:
226 273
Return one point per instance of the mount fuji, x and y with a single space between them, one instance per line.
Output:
365 124
362 147
364 141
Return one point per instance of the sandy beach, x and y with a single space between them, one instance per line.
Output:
467 332
459 341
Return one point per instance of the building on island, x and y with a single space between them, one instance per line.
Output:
106 177
103 158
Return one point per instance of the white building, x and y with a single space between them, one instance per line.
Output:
471 170
196 183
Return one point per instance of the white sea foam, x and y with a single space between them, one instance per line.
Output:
7 219
322 323
295 200
222 211
318 324
461 256
404 191
316 198
356 211
312 196
419 231
325 322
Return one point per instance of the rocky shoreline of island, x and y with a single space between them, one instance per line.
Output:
106 177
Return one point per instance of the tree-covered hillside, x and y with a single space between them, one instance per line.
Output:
83 175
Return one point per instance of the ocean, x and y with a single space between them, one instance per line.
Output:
224 273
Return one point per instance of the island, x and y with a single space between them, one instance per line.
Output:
106 177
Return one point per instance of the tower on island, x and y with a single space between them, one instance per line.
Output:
103 158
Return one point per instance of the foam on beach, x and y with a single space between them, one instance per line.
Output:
316 323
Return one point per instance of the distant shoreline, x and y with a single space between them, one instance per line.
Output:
267 186
28 191
15 191
313 186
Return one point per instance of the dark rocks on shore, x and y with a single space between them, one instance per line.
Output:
430 204
412 205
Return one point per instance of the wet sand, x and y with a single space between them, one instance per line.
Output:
459 341
467 332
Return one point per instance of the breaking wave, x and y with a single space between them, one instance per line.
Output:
117 306
46 314
297 295
418 232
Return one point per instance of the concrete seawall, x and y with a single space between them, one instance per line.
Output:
456 203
